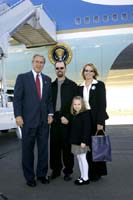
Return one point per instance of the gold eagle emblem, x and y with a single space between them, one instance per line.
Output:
60 52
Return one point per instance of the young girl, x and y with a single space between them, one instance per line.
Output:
80 137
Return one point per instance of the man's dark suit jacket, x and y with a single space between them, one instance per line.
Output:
27 103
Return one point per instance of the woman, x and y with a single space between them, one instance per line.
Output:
94 94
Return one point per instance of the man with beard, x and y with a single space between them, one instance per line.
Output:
63 91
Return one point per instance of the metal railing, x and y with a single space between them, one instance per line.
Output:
10 7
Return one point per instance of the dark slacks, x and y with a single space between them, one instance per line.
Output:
96 169
30 136
60 148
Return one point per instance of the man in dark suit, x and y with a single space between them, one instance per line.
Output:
33 112
63 91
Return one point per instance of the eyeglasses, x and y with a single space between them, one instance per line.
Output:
59 68
87 70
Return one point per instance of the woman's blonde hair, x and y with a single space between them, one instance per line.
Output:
83 107
93 68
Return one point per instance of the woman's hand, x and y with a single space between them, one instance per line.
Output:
83 145
99 127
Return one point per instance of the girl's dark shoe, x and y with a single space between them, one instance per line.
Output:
80 181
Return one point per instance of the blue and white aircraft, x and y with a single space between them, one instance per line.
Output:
99 32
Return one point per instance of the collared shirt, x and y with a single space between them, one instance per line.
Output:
40 78
86 93
58 100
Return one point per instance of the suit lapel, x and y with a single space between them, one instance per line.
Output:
93 90
44 86
32 83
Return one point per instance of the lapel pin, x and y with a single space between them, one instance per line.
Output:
93 87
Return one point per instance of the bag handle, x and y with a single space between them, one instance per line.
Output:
100 132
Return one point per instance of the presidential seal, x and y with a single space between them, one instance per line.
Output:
60 52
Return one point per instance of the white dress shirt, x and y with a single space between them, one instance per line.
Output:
86 93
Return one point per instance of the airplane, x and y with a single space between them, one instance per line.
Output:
110 2
100 32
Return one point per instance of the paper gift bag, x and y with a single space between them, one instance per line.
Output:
101 148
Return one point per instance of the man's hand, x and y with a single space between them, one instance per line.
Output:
50 119
19 121
64 120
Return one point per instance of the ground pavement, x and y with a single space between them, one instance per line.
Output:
117 185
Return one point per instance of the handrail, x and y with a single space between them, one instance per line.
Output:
17 3
11 7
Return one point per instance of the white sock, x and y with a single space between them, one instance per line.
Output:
84 166
80 165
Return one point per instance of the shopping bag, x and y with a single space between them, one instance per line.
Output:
101 148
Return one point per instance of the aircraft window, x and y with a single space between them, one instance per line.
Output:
78 20
114 17
124 16
96 19
105 18
87 20
132 15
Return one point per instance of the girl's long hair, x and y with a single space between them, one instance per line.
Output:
83 107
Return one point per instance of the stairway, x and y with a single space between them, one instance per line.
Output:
27 24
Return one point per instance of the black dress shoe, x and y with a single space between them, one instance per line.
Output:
67 177
43 180
80 181
95 178
31 183
77 180
55 175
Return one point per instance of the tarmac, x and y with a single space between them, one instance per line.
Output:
118 184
